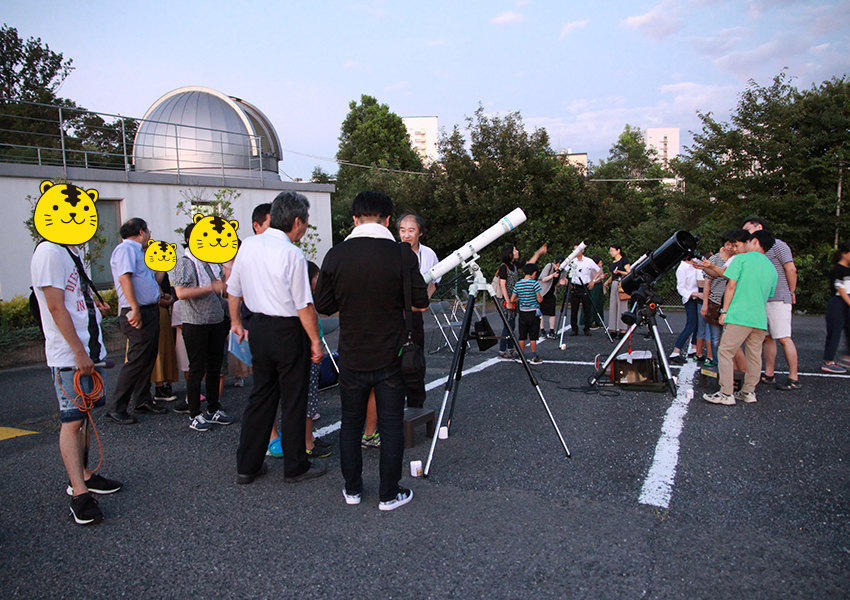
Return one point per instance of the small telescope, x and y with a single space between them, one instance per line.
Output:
507 223
572 256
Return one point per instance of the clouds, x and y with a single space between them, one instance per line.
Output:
660 22
507 18
566 28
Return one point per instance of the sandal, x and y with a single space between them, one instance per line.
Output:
766 379
788 385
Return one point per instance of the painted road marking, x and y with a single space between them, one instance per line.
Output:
10 432
658 485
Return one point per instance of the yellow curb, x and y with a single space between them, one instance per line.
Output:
10 432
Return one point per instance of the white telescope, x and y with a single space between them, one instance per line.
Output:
507 223
572 256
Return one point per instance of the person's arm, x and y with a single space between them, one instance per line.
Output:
540 251
186 293
513 298
844 295
234 303
310 322
705 291
55 298
727 300
791 276
134 317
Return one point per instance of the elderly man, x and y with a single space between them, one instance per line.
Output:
411 227
270 275
138 319
363 279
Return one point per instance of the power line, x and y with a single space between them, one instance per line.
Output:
350 164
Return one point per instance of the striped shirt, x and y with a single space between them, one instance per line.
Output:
526 291
779 255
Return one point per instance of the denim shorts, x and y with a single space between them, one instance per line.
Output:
64 380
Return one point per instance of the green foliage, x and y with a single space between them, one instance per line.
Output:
198 200
15 314
30 71
309 244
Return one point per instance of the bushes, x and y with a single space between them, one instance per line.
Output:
15 313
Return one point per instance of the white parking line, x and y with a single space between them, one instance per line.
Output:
658 485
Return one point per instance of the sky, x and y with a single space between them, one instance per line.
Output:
581 70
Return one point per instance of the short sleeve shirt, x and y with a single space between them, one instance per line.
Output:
839 277
718 284
52 267
755 280
526 291
129 257
203 310
779 255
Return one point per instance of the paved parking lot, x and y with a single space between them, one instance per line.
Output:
663 497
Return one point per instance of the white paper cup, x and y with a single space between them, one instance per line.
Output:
444 433
689 393
416 468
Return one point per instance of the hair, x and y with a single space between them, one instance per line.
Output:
529 268
186 233
287 207
755 221
261 211
843 248
133 227
596 258
312 269
372 204
420 222
765 239
616 247
507 253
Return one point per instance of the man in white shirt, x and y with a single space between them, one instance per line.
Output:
270 276
582 274
411 227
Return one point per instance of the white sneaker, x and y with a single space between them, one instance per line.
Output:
404 496
238 382
199 423
219 418
350 498
719 398
748 397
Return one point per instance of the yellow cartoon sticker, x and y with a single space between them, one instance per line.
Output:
65 213
213 239
160 256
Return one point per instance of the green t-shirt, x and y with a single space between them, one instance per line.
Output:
755 278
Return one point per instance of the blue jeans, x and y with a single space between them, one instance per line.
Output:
690 330
716 332
508 344
389 386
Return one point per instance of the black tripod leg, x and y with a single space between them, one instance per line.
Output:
454 374
533 379
601 371
596 310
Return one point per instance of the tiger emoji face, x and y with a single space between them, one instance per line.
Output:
213 239
160 256
65 214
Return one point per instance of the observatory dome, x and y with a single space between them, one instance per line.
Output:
201 131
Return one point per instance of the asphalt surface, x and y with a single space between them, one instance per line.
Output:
758 502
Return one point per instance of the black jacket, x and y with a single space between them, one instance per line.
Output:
362 279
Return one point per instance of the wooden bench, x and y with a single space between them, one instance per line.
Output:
414 417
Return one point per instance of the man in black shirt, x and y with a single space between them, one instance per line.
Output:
362 279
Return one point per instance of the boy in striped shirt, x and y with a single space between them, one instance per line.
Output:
527 295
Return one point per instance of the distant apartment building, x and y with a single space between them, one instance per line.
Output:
665 140
423 133
577 159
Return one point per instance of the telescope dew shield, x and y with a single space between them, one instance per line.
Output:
507 223
661 261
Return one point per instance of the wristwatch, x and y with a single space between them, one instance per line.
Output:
722 312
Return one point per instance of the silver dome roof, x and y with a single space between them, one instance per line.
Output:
202 131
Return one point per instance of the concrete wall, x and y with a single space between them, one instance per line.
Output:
152 197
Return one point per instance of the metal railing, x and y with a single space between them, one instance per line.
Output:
49 135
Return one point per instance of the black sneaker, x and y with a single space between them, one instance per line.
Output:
84 510
181 407
99 485
319 452
322 443
164 394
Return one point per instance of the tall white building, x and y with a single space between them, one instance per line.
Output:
423 133
665 140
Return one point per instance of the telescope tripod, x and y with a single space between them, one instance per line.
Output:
588 317
647 307
456 372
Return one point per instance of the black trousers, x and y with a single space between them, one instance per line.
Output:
578 296
205 349
134 380
280 350
416 388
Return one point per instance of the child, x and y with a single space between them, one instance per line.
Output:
527 293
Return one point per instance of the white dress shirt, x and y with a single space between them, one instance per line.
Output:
583 271
686 280
270 273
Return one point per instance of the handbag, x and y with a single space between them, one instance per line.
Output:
497 288
712 314
412 356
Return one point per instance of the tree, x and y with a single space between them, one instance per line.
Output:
372 138
28 70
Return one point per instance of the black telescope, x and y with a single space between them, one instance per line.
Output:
665 258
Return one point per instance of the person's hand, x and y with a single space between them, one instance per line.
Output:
165 300
240 332
509 305
590 285
84 363
722 319
134 318
218 286
704 310
543 249
316 351
793 297
605 285
103 307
